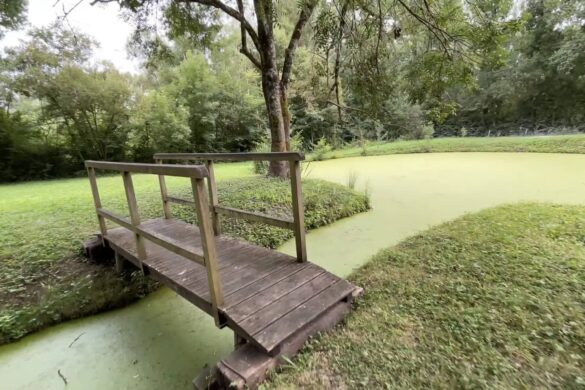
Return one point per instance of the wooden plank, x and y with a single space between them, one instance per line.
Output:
97 201
257 217
213 199
185 202
119 262
193 171
270 294
234 298
254 156
168 243
298 210
253 273
247 264
134 215
277 332
278 308
164 194
209 250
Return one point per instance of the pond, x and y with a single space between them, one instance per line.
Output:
163 341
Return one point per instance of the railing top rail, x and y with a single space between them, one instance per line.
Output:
194 171
254 156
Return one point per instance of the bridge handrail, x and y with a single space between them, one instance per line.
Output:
197 174
195 171
297 224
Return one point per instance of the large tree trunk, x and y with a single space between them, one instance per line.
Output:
271 85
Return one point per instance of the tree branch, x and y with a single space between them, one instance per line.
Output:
212 3
434 29
289 53
243 32
239 16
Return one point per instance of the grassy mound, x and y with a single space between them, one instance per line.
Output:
542 144
491 300
45 280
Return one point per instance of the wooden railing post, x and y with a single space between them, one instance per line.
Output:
298 209
208 243
164 194
97 202
213 200
134 216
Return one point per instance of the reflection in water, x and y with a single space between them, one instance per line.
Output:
163 341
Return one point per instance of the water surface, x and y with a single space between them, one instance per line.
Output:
163 341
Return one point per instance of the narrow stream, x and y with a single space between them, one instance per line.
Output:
163 341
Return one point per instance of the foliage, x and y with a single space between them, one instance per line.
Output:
12 14
321 149
158 123
490 300
296 145
551 144
363 71
44 280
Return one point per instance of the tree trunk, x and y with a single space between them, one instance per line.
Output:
271 85
286 117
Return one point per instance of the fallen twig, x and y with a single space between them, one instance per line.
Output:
62 377
77 338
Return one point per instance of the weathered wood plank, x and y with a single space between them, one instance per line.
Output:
185 202
194 171
134 215
208 243
277 332
248 264
164 194
273 293
213 199
188 251
238 296
279 307
298 210
97 201
256 217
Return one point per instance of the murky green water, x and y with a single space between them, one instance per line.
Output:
163 342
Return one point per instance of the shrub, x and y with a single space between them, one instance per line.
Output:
321 148
296 145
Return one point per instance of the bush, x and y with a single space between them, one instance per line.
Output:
296 145
321 148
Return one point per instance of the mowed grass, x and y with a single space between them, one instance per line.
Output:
492 300
46 280
538 144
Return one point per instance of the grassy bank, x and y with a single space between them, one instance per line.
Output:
491 300
542 144
44 278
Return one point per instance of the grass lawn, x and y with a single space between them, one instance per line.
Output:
494 299
542 144
44 278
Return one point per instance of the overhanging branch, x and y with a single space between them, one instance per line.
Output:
243 32
239 16
289 53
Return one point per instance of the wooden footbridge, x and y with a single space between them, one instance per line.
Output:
269 299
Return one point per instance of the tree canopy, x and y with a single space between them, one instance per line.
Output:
236 76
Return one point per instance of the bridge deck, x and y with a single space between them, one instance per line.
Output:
269 296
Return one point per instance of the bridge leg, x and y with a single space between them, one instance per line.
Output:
239 340
119 263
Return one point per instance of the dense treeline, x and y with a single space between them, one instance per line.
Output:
364 71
